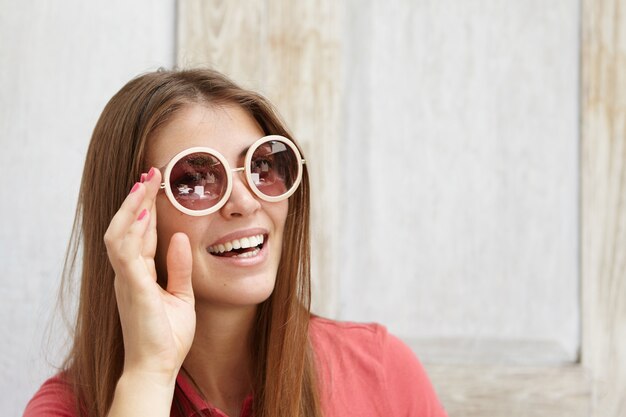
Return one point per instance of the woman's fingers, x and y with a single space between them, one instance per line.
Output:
148 251
126 213
132 231
152 182
150 238
141 196
122 223
179 267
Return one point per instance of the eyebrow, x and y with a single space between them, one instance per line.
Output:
242 154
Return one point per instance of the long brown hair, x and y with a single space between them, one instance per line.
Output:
284 376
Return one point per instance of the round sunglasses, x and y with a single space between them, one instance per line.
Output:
198 181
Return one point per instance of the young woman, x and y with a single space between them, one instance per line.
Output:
194 223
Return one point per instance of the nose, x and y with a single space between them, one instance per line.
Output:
242 201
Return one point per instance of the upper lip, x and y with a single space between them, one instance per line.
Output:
240 234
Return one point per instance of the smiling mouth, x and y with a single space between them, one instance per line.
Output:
245 247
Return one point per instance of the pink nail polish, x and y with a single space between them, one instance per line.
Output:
135 187
143 177
142 214
150 174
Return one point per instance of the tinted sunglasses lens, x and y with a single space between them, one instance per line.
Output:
274 168
198 181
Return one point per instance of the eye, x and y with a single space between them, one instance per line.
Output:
184 181
263 170
262 164
197 173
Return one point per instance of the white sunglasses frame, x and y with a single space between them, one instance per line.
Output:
229 175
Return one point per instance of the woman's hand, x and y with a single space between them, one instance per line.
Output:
158 325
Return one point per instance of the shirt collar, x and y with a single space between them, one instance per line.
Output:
193 401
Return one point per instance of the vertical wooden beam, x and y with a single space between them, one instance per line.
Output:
289 51
603 194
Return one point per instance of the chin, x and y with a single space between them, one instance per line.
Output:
235 292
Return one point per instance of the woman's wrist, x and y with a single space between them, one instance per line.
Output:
143 393
159 379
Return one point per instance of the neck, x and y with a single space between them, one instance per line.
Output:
219 361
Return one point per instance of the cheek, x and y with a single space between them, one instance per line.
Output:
278 213
169 221
163 238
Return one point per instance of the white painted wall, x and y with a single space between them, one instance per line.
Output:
460 216
61 62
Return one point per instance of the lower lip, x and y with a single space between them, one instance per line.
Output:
257 259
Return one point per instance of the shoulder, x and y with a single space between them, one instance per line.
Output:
364 366
54 398
369 343
359 336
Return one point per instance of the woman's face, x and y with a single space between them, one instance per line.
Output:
220 279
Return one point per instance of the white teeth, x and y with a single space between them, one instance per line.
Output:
246 242
248 254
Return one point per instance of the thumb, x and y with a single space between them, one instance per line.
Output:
179 262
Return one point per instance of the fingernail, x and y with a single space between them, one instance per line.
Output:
135 187
142 214
150 174
143 177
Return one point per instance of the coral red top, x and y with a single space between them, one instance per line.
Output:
363 371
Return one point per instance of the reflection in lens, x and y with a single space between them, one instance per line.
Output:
198 181
274 168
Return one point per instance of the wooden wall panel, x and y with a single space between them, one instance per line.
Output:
604 202
461 164
289 51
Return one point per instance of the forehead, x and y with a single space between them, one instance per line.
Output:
225 128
